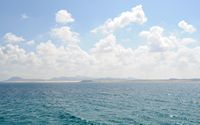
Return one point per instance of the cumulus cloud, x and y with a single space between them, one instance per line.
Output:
156 40
12 38
107 58
159 42
57 61
186 27
63 56
108 50
111 58
65 34
63 17
13 55
135 15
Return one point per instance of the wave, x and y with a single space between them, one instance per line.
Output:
74 120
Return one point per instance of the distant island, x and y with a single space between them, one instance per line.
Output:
83 79
55 79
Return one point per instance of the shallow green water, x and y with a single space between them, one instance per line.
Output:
91 104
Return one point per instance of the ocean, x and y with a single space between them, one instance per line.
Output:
100 104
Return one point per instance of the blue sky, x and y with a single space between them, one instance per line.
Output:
89 14
164 31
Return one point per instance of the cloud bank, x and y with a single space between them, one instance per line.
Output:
161 55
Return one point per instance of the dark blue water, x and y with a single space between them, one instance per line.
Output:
91 104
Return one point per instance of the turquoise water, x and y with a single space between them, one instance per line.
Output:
93 103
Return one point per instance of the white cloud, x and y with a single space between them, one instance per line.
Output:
158 42
63 17
12 38
186 41
65 34
135 15
13 55
186 27
114 60
46 61
111 58
161 55
107 58
31 42
61 56
24 16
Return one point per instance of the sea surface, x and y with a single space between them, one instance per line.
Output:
100 104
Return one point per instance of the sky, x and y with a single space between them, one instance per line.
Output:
139 39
